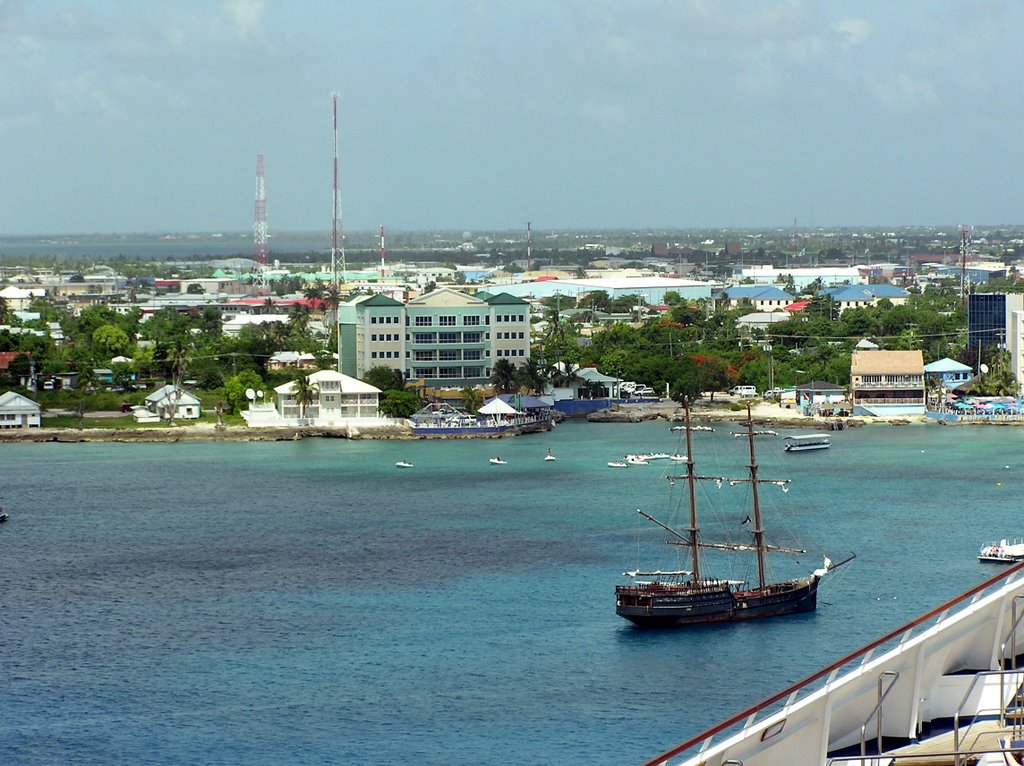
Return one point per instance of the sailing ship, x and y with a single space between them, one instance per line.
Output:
689 597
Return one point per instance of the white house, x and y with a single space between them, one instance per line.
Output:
186 406
17 411
338 401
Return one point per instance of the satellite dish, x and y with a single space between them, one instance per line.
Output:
250 394
259 394
984 369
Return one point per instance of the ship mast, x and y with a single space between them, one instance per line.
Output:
758 527
691 482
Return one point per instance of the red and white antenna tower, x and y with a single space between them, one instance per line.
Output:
259 229
529 244
965 246
337 228
382 252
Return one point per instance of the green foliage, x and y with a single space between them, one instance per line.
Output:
385 378
503 376
398 404
108 341
236 386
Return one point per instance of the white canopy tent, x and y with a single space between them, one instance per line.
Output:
498 407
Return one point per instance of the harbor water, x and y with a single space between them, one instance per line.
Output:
309 603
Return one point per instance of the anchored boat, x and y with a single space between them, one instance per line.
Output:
693 597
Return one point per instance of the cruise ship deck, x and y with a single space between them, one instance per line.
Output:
941 689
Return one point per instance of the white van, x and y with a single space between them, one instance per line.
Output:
743 391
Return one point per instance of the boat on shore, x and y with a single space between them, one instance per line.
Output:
944 688
806 442
1002 552
696 598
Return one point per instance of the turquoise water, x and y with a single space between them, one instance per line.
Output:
308 603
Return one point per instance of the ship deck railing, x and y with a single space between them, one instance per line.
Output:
748 719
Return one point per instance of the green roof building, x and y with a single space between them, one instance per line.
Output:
446 338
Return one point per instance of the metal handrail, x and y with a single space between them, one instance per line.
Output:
877 710
795 688
1011 638
970 689
893 759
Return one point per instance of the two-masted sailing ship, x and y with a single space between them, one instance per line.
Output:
661 599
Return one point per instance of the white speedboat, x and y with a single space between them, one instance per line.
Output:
403 464
1002 552
617 464
497 461
806 442
549 457
636 460
942 689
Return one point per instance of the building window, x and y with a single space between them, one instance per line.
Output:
471 320
449 355
426 356
424 321
425 337
425 372
446 321
472 337
472 354
448 337
450 372
473 372
373 320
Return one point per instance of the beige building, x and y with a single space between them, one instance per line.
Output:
887 383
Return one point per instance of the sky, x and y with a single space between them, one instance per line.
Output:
146 116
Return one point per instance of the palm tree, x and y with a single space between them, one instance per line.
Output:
305 394
3 309
268 306
298 319
472 398
531 376
503 376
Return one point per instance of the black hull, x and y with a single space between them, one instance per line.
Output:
670 605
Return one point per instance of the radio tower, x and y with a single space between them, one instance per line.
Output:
382 252
529 244
337 229
965 243
259 232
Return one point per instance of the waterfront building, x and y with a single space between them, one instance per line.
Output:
446 338
17 411
947 373
185 405
887 383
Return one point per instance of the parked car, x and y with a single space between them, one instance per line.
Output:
643 391
773 393
743 391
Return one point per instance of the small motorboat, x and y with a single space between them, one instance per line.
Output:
3 517
617 464
549 456
1002 552
497 461
677 458
403 464
637 460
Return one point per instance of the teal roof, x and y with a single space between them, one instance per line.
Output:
379 300
947 365
502 299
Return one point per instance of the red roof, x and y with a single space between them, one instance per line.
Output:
7 356
797 306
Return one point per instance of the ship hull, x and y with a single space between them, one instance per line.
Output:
653 606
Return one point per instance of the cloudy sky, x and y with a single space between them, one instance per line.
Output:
147 116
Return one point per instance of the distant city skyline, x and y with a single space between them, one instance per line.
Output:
142 116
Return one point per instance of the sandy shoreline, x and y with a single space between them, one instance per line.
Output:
719 410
